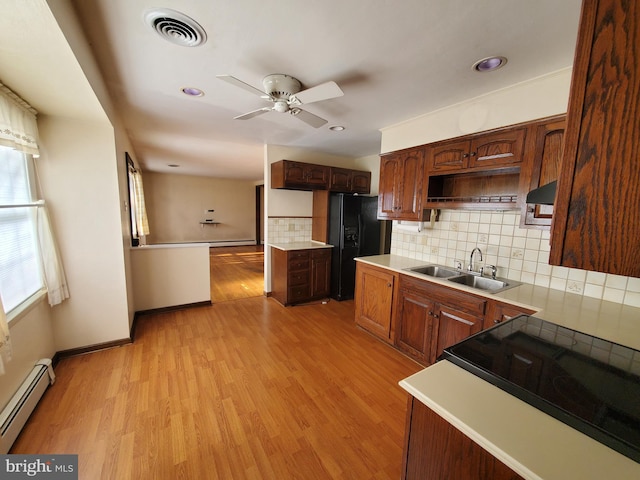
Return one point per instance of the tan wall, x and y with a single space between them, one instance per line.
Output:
176 205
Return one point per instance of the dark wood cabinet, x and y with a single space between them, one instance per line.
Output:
400 189
542 166
498 312
345 180
375 292
299 176
300 276
430 318
480 171
596 222
478 151
435 450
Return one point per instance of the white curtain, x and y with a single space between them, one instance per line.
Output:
5 340
141 224
18 127
53 272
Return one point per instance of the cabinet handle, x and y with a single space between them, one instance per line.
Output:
465 155
435 315
389 284
496 321
431 314
473 154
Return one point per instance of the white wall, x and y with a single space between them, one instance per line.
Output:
168 276
79 178
176 206
530 100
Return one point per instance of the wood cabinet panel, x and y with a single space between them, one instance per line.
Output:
400 189
542 167
414 324
299 176
499 312
435 450
596 219
345 180
299 276
502 148
452 326
375 293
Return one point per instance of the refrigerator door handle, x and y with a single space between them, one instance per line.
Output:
360 234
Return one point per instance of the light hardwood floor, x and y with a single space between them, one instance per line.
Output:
243 389
236 272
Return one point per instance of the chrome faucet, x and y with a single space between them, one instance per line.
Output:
470 268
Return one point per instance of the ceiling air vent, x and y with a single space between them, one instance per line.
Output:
176 27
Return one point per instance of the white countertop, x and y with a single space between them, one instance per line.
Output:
529 441
299 245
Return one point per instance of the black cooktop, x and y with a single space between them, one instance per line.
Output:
586 382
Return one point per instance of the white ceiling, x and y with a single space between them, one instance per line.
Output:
394 60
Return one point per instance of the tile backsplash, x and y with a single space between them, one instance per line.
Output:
519 254
289 229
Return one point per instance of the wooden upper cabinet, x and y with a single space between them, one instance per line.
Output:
349 181
299 176
543 167
401 180
597 216
480 151
497 149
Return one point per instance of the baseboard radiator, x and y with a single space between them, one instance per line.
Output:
17 411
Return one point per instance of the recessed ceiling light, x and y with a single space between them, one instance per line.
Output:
192 92
336 128
173 165
489 64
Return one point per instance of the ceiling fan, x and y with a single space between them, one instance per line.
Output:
286 94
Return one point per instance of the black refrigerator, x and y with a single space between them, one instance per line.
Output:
354 231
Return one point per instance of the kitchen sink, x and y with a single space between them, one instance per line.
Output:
484 283
434 271
473 280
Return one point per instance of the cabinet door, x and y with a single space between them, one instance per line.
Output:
340 180
320 273
435 450
414 323
374 296
360 182
449 156
544 168
294 173
451 326
409 204
596 222
389 188
316 176
497 149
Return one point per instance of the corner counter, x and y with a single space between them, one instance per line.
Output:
530 442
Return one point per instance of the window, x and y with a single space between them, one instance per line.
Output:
20 272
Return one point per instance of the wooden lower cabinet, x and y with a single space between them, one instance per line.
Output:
300 276
430 318
375 292
436 450
499 312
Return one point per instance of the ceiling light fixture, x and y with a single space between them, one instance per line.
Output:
173 165
489 64
336 128
192 91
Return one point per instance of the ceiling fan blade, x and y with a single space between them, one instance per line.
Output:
324 91
243 85
252 114
308 118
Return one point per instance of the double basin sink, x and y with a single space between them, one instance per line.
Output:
470 279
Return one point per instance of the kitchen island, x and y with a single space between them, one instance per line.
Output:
530 442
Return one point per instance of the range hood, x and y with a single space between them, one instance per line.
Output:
544 195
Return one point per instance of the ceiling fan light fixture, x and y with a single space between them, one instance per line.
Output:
489 64
175 27
192 91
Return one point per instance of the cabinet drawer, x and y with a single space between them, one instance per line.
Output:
299 277
464 302
321 253
301 264
298 254
298 293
